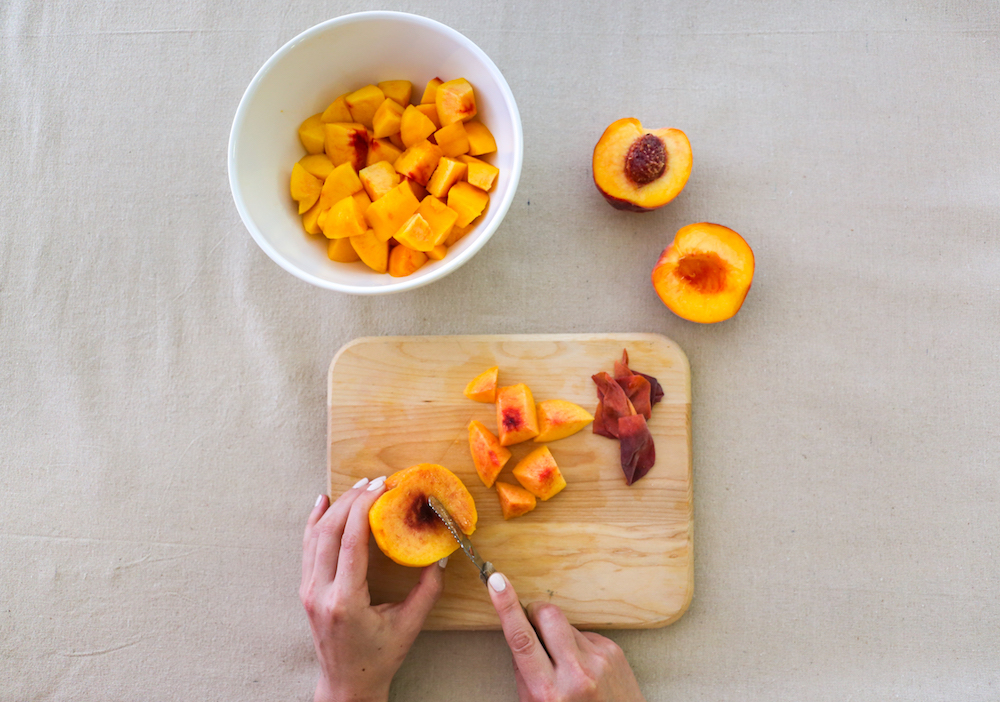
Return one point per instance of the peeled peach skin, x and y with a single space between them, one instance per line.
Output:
406 528
641 169
705 273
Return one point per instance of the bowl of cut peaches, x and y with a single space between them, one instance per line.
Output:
375 153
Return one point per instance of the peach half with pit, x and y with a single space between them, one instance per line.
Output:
640 169
705 273
405 527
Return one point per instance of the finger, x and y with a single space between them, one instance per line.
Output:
309 537
329 530
424 595
555 631
532 662
352 564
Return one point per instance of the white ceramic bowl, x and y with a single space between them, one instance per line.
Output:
303 78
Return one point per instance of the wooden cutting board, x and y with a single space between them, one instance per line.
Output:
610 555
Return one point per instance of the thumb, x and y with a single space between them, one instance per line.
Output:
424 595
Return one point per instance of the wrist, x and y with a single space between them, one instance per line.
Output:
325 692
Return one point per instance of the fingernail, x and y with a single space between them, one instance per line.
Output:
443 562
498 582
376 484
360 483
318 500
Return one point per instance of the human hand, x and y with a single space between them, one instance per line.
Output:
360 647
573 666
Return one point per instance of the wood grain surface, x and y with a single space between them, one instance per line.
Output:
611 555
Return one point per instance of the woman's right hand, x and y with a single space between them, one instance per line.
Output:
572 666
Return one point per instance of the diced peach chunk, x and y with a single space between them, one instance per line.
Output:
516 419
319 165
430 92
414 126
419 161
481 174
456 235
398 90
538 474
337 111
382 150
481 140
378 179
309 219
452 139
558 419
416 234
440 217
403 261
387 119
448 172
373 252
468 200
341 251
342 181
311 134
387 214
431 113
483 388
345 219
347 142
514 500
488 455
438 252
397 141
364 202
363 103
455 101
305 187
419 191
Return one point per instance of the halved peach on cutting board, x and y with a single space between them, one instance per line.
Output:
516 417
406 528
640 169
705 273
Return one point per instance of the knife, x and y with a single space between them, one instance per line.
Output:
486 568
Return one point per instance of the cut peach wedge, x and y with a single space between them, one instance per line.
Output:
318 165
516 418
414 126
419 161
345 219
363 103
558 419
514 500
337 111
441 219
387 119
403 261
305 187
448 172
483 388
538 474
479 173
452 139
378 179
705 273
387 214
342 182
342 251
468 200
481 139
488 455
311 134
398 90
372 251
455 101
430 92
346 142
416 234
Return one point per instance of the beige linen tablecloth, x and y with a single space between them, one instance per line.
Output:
163 402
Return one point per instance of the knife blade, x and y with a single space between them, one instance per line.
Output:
486 568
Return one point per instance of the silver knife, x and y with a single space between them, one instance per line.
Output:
486 568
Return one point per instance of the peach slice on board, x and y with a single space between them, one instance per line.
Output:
705 273
558 419
487 453
406 528
516 418
641 169
538 474
483 388
514 500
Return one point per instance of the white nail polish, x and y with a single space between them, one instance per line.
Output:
360 483
376 484
318 500
443 562
497 582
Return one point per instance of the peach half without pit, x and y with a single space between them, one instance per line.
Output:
404 525
705 273
639 169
